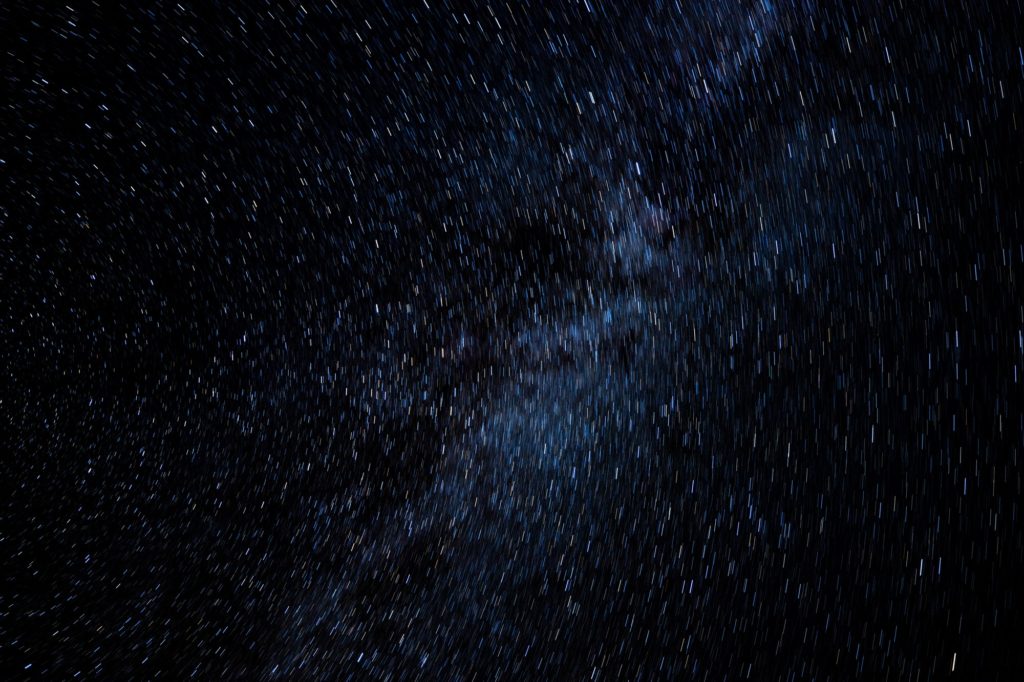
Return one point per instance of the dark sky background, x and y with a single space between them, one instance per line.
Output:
549 340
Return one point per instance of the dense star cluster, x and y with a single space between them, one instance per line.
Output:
540 340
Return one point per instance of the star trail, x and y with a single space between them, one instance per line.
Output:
678 339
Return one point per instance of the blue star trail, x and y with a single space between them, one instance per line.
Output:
533 340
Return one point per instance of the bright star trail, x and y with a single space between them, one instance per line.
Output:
531 340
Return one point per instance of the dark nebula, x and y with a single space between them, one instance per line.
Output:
544 341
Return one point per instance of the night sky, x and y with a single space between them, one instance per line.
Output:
550 340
